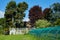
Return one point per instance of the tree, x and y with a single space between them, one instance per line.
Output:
42 24
2 21
55 7
11 5
57 22
21 7
35 13
47 14
56 11
2 25
9 12
15 13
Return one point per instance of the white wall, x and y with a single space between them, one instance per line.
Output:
15 31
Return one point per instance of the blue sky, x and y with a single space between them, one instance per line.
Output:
43 3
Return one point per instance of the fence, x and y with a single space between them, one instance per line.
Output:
50 33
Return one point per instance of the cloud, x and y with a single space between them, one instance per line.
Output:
1 14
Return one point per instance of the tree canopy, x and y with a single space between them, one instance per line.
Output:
56 11
35 13
15 12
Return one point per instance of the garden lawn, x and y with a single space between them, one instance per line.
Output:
17 37
29 37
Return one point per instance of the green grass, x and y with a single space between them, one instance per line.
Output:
16 37
29 37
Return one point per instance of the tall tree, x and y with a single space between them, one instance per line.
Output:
56 11
9 12
21 7
1 25
55 7
2 22
15 13
47 13
35 13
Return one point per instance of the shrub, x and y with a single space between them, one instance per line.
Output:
42 23
57 22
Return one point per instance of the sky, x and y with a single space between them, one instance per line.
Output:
42 3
